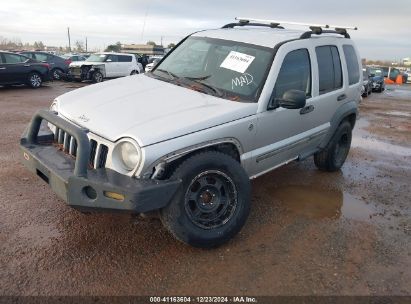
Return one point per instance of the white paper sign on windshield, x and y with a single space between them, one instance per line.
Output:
236 61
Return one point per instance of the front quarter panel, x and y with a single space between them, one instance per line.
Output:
239 132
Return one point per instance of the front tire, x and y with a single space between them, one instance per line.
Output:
97 77
34 80
212 203
333 156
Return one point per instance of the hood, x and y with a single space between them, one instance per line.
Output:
377 78
80 63
146 109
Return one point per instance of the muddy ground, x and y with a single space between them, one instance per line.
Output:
309 232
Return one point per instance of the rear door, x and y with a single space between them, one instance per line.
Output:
112 66
125 64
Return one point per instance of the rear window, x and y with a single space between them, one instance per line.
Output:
123 58
329 68
352 64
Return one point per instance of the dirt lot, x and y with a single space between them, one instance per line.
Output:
309 233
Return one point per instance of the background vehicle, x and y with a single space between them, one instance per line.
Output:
377 76
73 57
19 69
105 65
58 65
152 63
367 82
225 106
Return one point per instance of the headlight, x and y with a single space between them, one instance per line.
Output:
54 106
126 155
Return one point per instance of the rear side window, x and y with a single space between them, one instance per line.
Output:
42 57
352 64
112 58
329 68
123 58
295 74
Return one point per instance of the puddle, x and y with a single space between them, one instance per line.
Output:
398 113
363 139
398 92
322 204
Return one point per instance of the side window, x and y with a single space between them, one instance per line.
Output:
352 64
112 58
329 68
295 74
124 58
41 57
13 58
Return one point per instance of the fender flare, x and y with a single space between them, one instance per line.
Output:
342 113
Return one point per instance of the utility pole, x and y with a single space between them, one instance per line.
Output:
86 44
68 34
161 41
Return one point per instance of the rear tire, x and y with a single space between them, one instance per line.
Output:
333 156
56 74
212 203
34 80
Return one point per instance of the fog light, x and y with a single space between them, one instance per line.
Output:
90 192
114 195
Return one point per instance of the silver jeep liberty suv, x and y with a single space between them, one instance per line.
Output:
223 107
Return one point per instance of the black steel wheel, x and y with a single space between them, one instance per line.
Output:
212 203
211 199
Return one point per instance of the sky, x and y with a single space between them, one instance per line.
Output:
384 26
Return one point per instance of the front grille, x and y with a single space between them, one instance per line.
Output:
67 143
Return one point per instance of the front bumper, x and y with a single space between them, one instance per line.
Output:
83 188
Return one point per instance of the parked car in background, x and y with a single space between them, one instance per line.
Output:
73 57
19 69
152 64
377 76
105 65
58 65
367 82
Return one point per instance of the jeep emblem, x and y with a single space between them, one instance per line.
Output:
83 118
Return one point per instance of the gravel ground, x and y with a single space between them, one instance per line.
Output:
309 232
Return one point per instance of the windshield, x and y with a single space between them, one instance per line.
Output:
376 72
227 69
97 57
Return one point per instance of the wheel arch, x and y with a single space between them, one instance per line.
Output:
163 167
347 111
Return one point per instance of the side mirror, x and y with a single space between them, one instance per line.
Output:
292 99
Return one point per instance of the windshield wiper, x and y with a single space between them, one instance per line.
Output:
199 77
208 86
173 76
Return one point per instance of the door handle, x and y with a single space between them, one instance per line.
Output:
27 65
307 109
2 68
341 97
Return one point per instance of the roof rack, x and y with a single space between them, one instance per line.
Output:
316 29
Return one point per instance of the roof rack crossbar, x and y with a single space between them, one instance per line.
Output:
342 32
243 23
